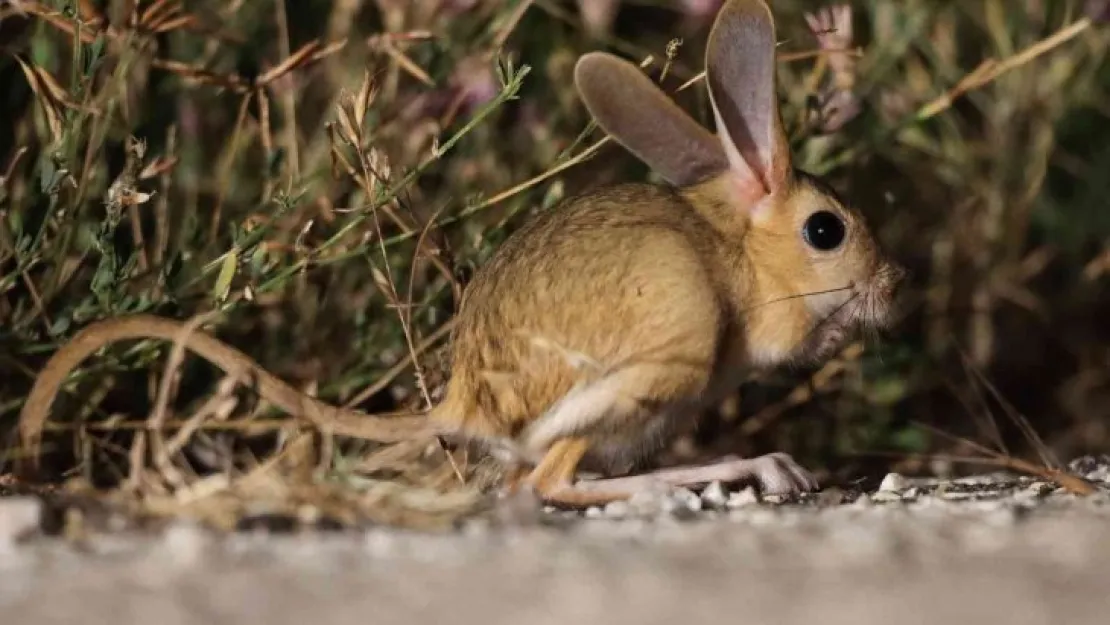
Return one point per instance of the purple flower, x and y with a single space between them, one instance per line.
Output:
832 27
475 80
1097 10
456 7
598 15
700 8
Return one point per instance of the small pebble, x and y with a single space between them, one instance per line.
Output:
118 522
309 514
646 503
594 512
776 498
617 509
19 516
1092 467
886 496
830 497
1040 489
523 507
894 482
185 541
715 495
978 480
682 503
743 498
687 498
476 527
955 495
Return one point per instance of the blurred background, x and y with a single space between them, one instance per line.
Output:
329 174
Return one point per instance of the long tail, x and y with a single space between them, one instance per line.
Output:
345 422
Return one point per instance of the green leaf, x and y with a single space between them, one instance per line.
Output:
227 273
60 326
96 48
911 439
105 277
47 172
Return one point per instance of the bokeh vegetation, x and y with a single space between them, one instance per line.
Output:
327 174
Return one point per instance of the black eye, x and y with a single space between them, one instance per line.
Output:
823 231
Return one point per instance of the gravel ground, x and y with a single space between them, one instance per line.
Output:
988 550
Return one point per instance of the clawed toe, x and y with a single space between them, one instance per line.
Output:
779 474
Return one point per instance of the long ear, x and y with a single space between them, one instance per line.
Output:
639 116
740 74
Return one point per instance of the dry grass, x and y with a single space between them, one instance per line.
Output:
325 175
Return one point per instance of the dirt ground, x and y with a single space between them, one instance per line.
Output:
1017 557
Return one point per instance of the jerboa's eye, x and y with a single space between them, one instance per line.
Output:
824 231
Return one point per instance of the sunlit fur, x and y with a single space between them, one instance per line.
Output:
620 315
623 313
800 303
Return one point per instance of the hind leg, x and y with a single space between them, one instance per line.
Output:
553 478
558 466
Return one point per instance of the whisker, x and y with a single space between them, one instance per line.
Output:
779 300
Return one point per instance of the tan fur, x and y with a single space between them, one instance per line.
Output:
603 324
